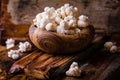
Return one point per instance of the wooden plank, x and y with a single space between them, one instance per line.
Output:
82 57
45 64
23 62
108 72
101 65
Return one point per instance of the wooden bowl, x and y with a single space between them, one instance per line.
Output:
54 43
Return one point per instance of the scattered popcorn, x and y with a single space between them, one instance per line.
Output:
74 64
83 21
10 43
73 70
65 17
113 49
111 46
108 45
26 46
14 54
83 18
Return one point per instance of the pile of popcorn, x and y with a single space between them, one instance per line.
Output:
23 47
63 20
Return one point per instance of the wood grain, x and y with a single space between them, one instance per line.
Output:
47 66
55 43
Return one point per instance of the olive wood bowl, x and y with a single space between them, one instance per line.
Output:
55 43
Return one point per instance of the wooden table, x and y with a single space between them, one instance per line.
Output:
102 65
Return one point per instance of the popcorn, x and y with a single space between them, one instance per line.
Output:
73 70
26 46
63 11
83 21
44 22
58 20
46 9
10 53
68 18
14 54
60 29
58 12
75 9
66 5
50 27
72 23
69 10
34 21
113 49
10 43
64 25
63 14
74 64
83 18
65 17
108 45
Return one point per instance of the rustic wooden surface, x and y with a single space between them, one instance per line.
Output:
17 15
102 65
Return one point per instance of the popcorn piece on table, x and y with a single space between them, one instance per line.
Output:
26 46
10 43
14 54
108 45
73 70
111 46
113 49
